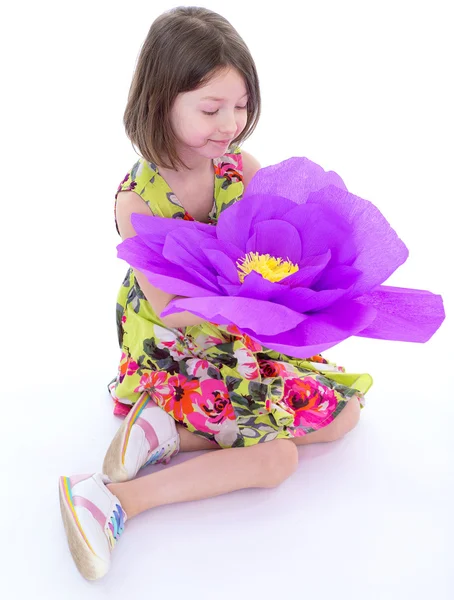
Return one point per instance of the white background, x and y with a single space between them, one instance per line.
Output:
363 88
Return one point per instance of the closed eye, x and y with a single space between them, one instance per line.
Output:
216 111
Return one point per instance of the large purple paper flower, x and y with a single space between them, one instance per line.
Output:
297 264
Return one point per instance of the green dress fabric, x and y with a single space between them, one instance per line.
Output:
214 380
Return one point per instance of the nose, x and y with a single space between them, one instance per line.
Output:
228 126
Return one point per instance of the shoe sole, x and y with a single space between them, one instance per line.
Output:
113 465
88 563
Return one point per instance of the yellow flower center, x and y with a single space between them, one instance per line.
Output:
269 267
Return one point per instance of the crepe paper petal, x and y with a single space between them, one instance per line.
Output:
294 178
259 316
234 225
226 248
337 247
403 314
150 226
379 249
322 230
309 270
298 299
276 238
229 288
223 264
339 276
185 250
320 331
255 286
305 299
175 280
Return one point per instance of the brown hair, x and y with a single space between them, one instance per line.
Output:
184 49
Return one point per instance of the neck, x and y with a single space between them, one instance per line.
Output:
194 162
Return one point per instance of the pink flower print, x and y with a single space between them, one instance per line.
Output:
311 402
184 394
247 365
198 367
227 168
215 401
272 368
213 407
154 382
212 341
165 337
250 344
132 367
127 366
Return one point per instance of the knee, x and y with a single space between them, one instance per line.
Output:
346 421
279 462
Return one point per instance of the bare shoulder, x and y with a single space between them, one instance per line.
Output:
128 203
250 167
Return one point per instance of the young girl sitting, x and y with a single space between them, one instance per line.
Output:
194 98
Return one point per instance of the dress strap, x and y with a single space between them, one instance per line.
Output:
229 185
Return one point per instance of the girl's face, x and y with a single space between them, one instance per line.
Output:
207 119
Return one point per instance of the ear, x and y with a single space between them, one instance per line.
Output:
250 167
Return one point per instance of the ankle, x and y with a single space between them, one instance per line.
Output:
119 490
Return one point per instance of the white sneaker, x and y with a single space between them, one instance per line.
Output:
94 520
147 436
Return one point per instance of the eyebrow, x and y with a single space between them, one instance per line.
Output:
218 99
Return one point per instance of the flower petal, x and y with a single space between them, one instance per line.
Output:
262 207
379 251
298 299
294 179
277 238
155 229
223 264
160 272
321 229
404 315
243 312
319 331
228 249
305 299
339 276
309 269
231 289
184 250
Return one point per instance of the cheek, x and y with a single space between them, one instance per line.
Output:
241 123
198 128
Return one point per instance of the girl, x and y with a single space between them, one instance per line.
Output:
192 385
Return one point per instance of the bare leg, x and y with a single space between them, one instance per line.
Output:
342 424
212 474
191 442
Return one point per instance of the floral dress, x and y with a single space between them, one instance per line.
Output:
212 379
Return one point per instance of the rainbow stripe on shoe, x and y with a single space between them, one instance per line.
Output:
66 492
154 439
93 519
135 414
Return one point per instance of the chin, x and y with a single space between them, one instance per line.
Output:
212 153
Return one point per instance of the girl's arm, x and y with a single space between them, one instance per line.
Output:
128 203
250 167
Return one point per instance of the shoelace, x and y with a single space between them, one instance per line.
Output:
115 526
